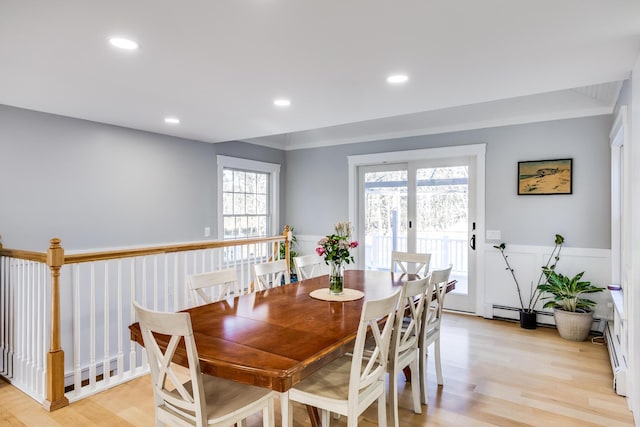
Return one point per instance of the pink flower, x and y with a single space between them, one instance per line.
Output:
353 244
320 251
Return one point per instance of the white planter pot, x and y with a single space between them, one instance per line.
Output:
573 326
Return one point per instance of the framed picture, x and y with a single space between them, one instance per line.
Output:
545 177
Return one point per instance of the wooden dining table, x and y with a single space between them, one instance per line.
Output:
277 337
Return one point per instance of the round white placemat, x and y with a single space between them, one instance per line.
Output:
347 295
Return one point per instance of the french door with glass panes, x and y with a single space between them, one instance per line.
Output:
423 206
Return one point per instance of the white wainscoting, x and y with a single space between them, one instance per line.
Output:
500 289
306 244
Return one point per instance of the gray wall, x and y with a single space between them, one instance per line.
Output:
97 186
317 193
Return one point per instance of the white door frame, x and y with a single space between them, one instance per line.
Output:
476 151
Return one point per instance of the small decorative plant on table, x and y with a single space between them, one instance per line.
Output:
335 248
573 314
527 305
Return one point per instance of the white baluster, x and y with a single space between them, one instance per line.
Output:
92 328
120 355
39 347
155 282
77 370
106 363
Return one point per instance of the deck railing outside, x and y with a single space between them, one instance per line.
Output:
64 317
444 250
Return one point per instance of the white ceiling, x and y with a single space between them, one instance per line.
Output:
219 64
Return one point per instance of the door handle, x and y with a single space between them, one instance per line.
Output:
472 242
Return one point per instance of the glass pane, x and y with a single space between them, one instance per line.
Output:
238 204
227 203
251 182
252 227
262 226
238 181
261 204
227 180
262 183
442 217
250 204
385 224
242 227
229 227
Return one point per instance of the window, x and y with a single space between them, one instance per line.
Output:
247 198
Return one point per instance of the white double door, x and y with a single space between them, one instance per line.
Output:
425 206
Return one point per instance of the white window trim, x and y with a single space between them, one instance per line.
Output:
251 165
618 138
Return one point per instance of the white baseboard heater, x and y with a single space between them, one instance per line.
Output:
544 318
618 362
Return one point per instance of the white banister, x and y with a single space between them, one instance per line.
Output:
96 293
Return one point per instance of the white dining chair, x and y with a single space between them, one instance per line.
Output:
308 266
350 384
220 284
404 343
405 260
431 322
202 400
271 274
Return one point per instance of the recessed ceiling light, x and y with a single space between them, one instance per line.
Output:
172 120
282 102
397 78
123 43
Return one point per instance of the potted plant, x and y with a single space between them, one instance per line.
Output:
573 314
292 253
527 306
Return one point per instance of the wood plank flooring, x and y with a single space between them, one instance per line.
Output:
495 374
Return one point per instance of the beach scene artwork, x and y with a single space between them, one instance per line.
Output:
545 177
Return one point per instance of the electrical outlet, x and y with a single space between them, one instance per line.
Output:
207 231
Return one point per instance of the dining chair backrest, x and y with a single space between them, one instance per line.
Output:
308 266
271 274
367 371
406 334
222 284
404 343
173 400
430 328
405 260
433 310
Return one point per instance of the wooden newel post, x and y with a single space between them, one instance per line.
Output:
287 246
55 358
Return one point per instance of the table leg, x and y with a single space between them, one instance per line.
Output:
407 374
314 416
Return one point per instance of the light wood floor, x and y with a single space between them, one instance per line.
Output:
495 374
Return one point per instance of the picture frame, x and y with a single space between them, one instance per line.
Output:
545 177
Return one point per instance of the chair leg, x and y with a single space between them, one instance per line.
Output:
436 350
325 418
393 396
268 414
382 412
286 410
423 375
415 386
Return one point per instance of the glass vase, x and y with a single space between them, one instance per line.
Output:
336 278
